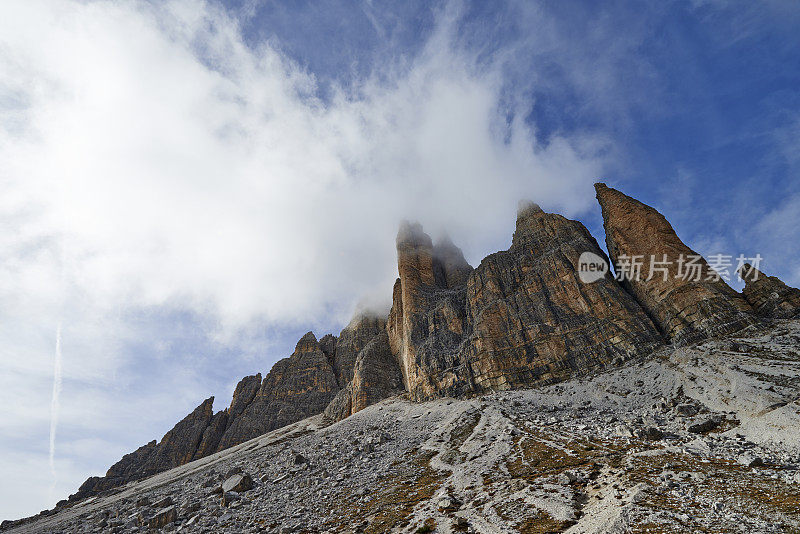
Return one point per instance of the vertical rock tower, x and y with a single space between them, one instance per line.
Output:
534 321
427 321
687 308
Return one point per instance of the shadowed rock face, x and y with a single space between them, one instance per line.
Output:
295 388
212 434
177 447
376 376
685 310
533 320
427 321
353 338
768 295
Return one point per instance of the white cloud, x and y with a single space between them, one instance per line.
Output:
150 160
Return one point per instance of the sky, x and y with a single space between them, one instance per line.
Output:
186 186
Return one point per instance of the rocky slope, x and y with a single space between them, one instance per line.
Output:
694 439
523 318
768 295
296 387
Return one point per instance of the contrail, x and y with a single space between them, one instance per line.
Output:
54 406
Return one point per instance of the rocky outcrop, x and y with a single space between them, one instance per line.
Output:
296 387
534 321
768 295
212 434
428 322
688 303
177 447
524 317
353 338
521 318
376 376
243 395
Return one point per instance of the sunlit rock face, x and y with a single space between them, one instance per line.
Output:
532 318
687 307
768 295
428 322
295 388
521 318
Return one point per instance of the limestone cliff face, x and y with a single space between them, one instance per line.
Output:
522 318
376 376
533 320
296 387
685 309
352 339
427 321
768 295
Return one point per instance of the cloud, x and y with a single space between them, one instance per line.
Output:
156 171
172 165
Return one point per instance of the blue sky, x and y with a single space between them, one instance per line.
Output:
187 187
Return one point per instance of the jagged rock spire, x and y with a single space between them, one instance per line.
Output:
686 306
427 320
534 320
768 295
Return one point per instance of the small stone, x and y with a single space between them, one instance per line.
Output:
706 425
188 507
163 517
234 471
447 503
686 410
623 431
238 483
229 497
750 461
651 433
567 477
163 503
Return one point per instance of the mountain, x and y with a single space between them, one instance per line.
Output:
687 304
698 438
523 318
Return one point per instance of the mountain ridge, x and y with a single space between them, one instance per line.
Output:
522 318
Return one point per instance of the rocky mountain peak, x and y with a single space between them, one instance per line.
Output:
687 303
328 345
533 320
526 208
414 257
307 343
450 268
243 395
768 295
